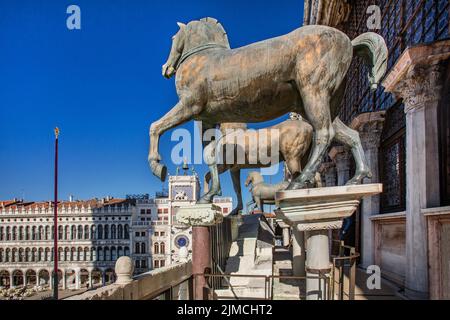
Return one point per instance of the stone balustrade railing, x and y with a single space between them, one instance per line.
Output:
144 286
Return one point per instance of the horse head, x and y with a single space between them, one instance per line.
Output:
192 38
253 178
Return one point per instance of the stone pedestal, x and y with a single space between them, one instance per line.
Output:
200 217
417 79
316 211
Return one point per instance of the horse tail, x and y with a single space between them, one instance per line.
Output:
372 48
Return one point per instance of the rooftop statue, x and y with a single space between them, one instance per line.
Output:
301 72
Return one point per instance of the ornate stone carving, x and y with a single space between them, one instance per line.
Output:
331 13
370 127
199 215
421 85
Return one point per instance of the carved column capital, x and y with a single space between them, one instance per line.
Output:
331 13
370 127
417 75
341 157
420 87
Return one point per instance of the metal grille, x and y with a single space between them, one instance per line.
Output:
404 23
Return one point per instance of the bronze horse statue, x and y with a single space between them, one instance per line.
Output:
301 72
293 137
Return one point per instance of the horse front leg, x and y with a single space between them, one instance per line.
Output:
317 108
350 138
236 178
211 160
178 115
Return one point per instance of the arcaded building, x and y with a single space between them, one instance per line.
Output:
93 234
404 127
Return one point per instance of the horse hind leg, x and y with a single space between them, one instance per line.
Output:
350 138
236 178
317 108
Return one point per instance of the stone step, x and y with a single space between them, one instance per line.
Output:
243 247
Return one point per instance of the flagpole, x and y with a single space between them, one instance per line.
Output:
55 222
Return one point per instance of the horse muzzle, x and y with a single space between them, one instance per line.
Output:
168 71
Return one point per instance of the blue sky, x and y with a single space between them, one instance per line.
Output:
102 86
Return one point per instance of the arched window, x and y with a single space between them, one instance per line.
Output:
26 257
137 247
100 232
66 254
156 248
14 233
47 232
41 233
66 233
7 255
142 247
33 233
21 256
126 232
72 254
40 254
34 255
47 254
1 255
60 254
113 232
27 233
162 248
106 231
86 254
119 251
86 232
80 232
93 234
8 233
73 233
126 251
1 234
80 254
60 232
119 231
113 254
107 254
100 254
20 233
93 254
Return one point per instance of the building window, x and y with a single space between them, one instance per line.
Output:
138 264
149 211
156 263
142 211
137 248
142 234
163 234
136 234
162 263
143 263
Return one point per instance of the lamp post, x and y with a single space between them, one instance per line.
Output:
55 222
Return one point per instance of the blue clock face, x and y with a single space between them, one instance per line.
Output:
181 241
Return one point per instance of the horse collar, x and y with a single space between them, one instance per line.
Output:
198 49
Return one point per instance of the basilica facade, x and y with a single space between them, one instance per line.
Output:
404 128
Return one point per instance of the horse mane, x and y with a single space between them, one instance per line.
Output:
213 27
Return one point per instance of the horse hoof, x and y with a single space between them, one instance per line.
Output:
204 201
159 170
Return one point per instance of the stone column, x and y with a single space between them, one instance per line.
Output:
64 280
286 237
341 158
328 171
11 280
77 279
200 217
90 279
370 128
38 280
298 252
417 79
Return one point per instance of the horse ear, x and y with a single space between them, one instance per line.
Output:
181 25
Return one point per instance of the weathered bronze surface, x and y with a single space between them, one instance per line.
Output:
300 72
